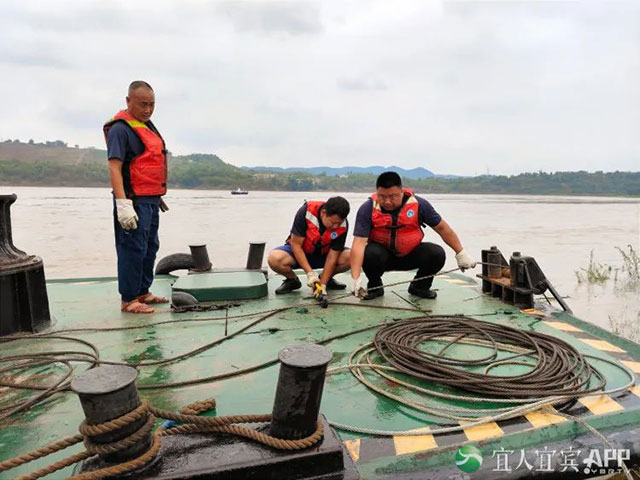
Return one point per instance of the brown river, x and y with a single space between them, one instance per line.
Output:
72 230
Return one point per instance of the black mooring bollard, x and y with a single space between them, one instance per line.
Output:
201 262
106 393
256 255
24 304
517 270
299 391
494 257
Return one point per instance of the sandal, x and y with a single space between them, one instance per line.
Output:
151 298
134 306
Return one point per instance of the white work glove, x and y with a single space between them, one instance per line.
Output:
312 279
356 285
464 260
126 214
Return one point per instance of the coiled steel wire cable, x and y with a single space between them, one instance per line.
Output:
557 368
538 388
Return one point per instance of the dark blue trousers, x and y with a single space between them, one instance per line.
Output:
136 251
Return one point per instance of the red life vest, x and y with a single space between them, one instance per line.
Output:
147 171
400 233
313 238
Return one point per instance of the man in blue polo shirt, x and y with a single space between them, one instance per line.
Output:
138 173
388 236
317 240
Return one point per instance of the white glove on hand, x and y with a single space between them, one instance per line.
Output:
356 285
464 260
312 279
126 214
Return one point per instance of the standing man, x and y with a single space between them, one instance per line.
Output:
317 240
138 171
388 236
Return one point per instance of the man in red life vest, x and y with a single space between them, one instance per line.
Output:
388 236
138 172
317 240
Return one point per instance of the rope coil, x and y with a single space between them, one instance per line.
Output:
191 423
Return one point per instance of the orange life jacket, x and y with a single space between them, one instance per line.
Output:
401 233
312 238
147 171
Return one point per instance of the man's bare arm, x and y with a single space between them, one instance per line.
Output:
448 235
115 175
298 252
357 255
329 266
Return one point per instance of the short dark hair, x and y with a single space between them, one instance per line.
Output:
136 84
337 206
388 180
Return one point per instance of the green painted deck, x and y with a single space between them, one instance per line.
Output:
212 287
93 303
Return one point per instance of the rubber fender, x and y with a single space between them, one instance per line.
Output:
183 299
175 261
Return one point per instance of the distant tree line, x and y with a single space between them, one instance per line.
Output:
542 183
54 143
87 167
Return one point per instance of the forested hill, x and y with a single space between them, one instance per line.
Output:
56 164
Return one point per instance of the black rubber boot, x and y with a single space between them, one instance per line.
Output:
422 292
333 284
288 285
378 292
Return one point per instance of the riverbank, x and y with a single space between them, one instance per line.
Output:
56 164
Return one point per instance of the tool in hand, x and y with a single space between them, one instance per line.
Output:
320 294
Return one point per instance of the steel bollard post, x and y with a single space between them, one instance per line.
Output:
106 393
255 256
201 262
299 391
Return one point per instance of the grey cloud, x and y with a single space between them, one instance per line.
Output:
361 84
87 17
201 138
76 115
295 18
29 59
457 90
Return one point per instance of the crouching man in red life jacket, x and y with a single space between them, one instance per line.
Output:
317 240
388 236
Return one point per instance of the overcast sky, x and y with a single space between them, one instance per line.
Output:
458 87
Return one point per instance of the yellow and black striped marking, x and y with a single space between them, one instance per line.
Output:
369 448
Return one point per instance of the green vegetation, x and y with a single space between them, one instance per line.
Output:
600 272
627 285
631 266
56 164
594 273
558 183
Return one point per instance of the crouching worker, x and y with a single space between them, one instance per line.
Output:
388 236
317 240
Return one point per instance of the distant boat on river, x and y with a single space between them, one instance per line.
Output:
239 191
